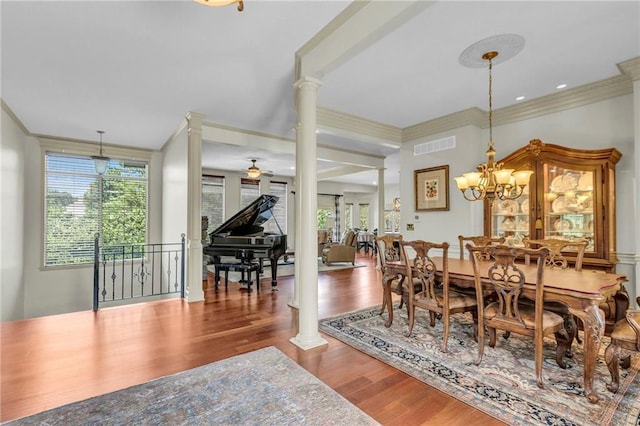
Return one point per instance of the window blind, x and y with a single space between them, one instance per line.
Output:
80 203
213 200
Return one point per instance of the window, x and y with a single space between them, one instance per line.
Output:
364 216
213 200
279 189
80 203
348 216
322 218
249 191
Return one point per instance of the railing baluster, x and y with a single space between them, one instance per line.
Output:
147 257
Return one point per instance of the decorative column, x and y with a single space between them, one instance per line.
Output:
295 298
308 336
194 193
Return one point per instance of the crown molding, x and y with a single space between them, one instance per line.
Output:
471 116
555 102
333 119
15 119
568 99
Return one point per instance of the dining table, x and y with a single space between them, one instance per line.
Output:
581 291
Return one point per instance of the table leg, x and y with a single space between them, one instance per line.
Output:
593 330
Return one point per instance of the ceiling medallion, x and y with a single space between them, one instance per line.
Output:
509 45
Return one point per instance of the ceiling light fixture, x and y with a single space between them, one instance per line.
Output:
222 3
492 181
100 161
253 172
561 86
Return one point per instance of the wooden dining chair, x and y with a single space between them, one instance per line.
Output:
625 336
557 259
388 248
479 241
428 293
507 279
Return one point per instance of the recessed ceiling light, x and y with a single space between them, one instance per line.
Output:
374 182
519 98
561 86
292 167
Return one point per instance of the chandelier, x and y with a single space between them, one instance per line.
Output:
222 3
100 161
253 172
491 181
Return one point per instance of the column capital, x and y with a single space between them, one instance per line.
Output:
631 68
193 116
306 79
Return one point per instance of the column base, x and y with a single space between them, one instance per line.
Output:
308 344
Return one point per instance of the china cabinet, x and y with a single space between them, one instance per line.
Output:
570 196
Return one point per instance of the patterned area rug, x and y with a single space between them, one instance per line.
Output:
504 384
263 387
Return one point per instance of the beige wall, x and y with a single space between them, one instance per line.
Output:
604 124
12 209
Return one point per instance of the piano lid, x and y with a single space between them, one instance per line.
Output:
248 220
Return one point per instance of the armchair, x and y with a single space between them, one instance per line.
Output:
344 251
324 237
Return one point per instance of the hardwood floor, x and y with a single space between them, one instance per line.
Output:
55 360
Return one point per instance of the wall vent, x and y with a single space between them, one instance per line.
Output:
434 146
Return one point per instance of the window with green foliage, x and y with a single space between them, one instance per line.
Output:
364 217
80 203
323 215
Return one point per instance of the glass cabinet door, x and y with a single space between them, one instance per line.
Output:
510 219
568 205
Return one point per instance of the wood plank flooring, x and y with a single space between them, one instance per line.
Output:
51 361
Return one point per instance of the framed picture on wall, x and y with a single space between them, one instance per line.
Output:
431 188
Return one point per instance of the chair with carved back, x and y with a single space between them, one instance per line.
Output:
388 248
507 313
624 337
557 259
479 241
431 294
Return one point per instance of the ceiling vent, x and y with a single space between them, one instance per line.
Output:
435 146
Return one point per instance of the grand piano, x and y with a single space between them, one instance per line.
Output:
243 237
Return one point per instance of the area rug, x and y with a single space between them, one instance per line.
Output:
263 387
504 384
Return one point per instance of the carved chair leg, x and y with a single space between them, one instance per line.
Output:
571 329
611 357
432 318
411 311
563 343
492 337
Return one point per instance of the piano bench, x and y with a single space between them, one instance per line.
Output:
243 267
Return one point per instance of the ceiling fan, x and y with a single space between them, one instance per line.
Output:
254 171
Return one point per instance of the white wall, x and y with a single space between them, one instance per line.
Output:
53 291
174 186
604 124
12 209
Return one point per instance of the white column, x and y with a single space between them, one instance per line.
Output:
380 202
308 336
295 298
194 291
